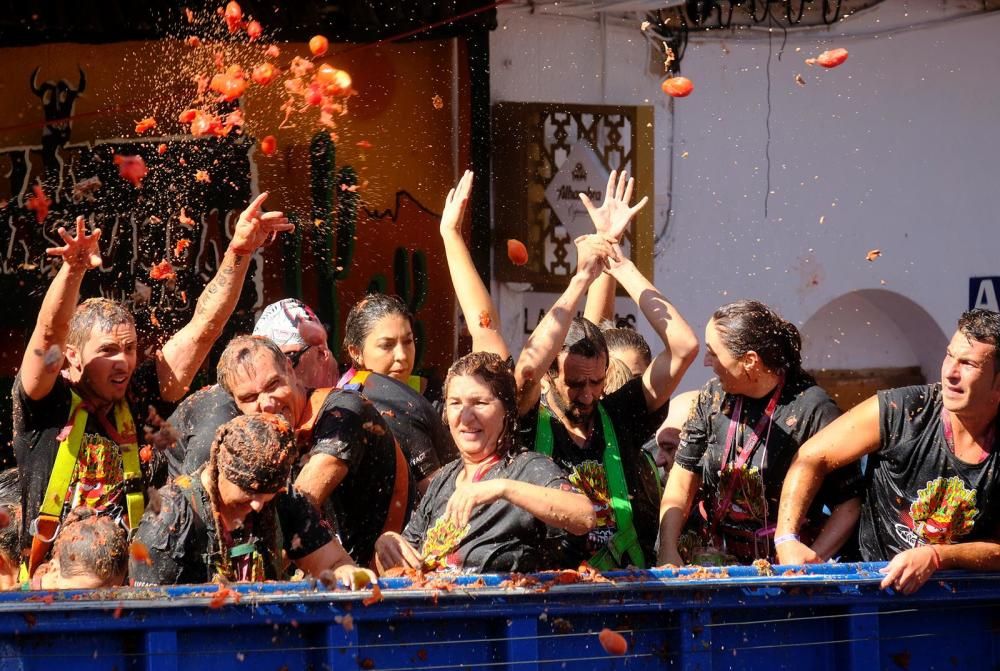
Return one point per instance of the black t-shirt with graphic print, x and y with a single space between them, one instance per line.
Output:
746 528
413 421
633 425
350 428
183 544
919 492
97 478
501 536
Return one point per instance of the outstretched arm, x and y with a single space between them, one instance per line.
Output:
44 355
183 354
480 313
611 220
546 340
843 441
680 344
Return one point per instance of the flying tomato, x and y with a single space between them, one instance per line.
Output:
832 58
131 168
38 202
233 16
142 126
318 45
263 74
677 87
268 145
254 30
517 252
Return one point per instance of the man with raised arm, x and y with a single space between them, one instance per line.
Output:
599 440
933 481
74 425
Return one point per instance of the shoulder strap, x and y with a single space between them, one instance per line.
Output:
626 539
357 380
544 442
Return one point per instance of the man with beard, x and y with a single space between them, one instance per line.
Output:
933 472
598 439
74 424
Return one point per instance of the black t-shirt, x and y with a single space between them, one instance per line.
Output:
97 480
350 428
918 491
500 537
413 421
183 543
634 425
196 421
747 526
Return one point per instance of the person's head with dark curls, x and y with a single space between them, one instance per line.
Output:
91 551
480 406
747 343
250 463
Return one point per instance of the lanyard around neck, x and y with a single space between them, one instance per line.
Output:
762 427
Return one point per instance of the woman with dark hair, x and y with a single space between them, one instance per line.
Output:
233 518
739 441
487 511
378 337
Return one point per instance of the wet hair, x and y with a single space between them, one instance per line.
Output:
619 339
240 352
584 339
366 314
91 544
981 325
498 375
255 453
103 313
749 325
10 512
618 374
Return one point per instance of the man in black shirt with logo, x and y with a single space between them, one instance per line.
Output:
933 471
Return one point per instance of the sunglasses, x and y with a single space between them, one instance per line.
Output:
295 356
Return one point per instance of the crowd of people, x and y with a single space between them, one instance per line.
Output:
294 463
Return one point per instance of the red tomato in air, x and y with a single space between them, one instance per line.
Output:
318 45
832 58
254 30
314 96
335 82
161 149
268 145
677 87
146 454
38 202
263 74
612 642
142 126
131 168
233 16
188 115
229 86
517 252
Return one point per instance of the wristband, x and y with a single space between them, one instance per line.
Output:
937 557
786 538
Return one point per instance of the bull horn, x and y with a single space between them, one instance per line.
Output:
83 80
34 81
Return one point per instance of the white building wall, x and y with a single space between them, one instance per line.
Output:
895 150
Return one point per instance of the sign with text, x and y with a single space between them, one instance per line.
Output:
983 293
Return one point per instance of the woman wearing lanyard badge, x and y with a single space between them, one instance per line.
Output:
739 441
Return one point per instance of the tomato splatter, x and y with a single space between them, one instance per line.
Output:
202 176
140 552
364 144
223 595
161 149
118 612
517 252
148 123
185 220
162 271
193 41
181 245
318 45
273 51
873 254
677 87
230 85
485 321
38 202
4 518
374 598
146 454
437 102
131 168
263 74
335 82
188 115
268 145
830 59
233 16
612 642
254 30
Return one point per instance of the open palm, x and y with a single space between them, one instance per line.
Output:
613 216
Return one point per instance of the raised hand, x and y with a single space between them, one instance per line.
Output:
80 252
613 216
593 255
455 204
256 227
